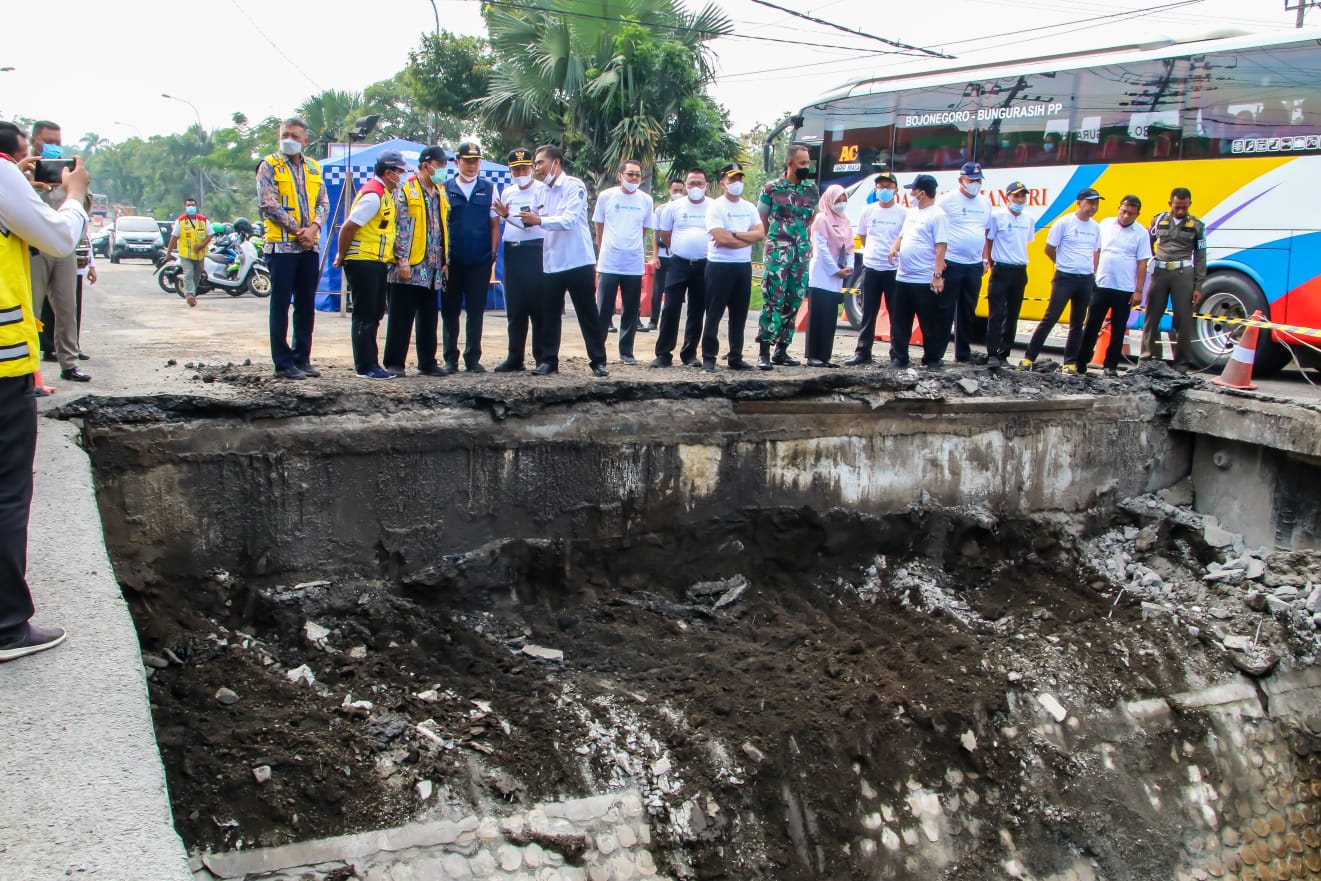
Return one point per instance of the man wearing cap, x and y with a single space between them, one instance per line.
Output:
417 276
733 226
1074 245
683 231
1179 241
662 259
294 204
622 217
878 227
1121 273
787 206
525 280
1007 238
969 214
474 231
366 253
919 288
568 260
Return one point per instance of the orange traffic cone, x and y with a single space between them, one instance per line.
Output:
1238 371
1102 343
800 322
39 388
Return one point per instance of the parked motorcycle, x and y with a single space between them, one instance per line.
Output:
232 265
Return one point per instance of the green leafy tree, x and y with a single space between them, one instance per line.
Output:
447 72
329 116
608 80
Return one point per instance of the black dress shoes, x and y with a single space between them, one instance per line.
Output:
599 370
509 367
75 374
544 370
858 359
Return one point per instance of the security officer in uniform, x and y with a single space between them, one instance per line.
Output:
1178 271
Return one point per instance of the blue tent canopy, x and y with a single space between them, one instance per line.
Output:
360 161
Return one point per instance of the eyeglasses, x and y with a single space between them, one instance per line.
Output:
636 174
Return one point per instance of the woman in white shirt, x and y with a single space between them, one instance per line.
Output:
832 262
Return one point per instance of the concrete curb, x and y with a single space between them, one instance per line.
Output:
85 789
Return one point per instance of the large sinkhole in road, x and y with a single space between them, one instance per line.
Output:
799 680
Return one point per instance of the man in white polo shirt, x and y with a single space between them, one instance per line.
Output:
622 217
1074 244
969 216
734 226
683 231
878 227
1012 228
1120 276
919 288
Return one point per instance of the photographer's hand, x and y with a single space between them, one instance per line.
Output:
76 181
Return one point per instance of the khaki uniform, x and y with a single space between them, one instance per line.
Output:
1178 269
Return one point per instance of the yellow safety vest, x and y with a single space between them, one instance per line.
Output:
374 240
18 326
415 197
284 180
192 234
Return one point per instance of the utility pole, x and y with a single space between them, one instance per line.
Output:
1299 6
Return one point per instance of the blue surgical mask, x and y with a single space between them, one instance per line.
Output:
885 197
52 151
190 210
438 178
1015 208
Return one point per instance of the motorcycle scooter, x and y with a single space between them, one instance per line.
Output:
250 276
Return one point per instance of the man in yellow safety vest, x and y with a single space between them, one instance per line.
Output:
191 235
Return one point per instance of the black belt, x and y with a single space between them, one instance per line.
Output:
526 243
1074 274
686 260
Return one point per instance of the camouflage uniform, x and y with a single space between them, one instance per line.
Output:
788 210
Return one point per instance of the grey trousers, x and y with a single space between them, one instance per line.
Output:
56 279
189 272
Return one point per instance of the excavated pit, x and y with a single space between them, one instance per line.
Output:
837 633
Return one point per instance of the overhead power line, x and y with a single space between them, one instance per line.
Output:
839 27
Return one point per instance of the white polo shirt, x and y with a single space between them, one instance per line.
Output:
518 199
623 218
1121 249
924 228
881 225
686 223
733 217
659 216
1075 242
1009 234
968 220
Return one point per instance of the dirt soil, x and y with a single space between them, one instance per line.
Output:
751 669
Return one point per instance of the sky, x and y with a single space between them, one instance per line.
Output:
264 58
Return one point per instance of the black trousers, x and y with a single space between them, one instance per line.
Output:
629 287
934 313
580 284
525 289
1005 299
367 277
822 319
963 282
18 447
410 305
465 291
293 276
728 286
1114 303
877 285
685 279
658 289
1066 289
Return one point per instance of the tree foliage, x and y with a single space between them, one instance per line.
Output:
608 80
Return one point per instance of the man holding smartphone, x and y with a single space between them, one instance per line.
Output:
55 279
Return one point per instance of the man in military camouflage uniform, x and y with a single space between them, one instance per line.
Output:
1179 242
786 206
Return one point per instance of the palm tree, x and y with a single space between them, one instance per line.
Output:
91 142
329 116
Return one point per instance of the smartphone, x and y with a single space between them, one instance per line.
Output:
51 171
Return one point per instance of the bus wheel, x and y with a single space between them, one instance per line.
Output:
853 309
1229 295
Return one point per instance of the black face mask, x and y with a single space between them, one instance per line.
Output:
802 174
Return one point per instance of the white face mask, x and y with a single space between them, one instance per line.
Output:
734 188
840 207
973 187
697 194
630 186
523 180
466 179
674 197
290 147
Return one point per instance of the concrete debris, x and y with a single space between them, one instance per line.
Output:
1257 661
1237 643
1225 576
315 633
358 652
753 753
1154 610
1287 592
1256 569
350 703
1255 600
429 696
301 673
262 773
1146 539
424 788
1314 600
969 385
542 653
968 741
1180 495
1278 606
306 584
1052 706
154 662
1216 536
226 696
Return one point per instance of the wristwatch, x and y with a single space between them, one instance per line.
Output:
937 275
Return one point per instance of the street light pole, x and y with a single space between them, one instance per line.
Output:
201 133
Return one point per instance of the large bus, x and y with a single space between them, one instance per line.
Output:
1236 119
